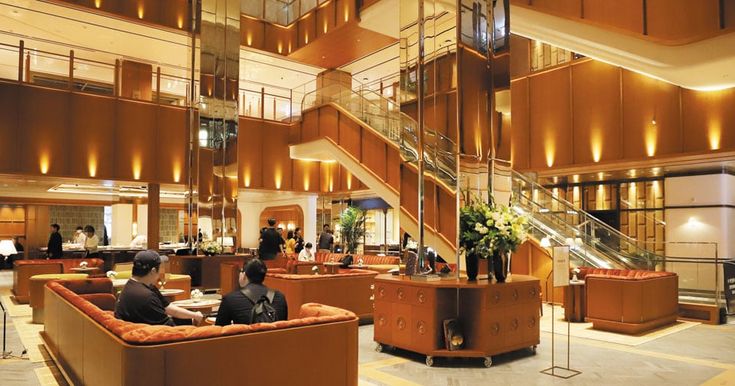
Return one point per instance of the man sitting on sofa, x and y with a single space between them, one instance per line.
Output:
237 306
141 302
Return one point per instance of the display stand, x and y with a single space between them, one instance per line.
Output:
560 271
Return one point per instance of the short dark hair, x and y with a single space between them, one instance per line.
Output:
325 226
255 271
289 235
89 229
271 221
298 229
56 226
308 245
79 228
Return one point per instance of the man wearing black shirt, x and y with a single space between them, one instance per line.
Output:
326 240
237 308
271 242
54 248
141 302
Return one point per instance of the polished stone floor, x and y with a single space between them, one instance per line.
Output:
695 355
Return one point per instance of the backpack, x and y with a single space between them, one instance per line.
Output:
263 311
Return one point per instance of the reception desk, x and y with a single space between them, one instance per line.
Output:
495 318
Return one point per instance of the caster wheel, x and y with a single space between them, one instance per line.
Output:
429 360
379 347
533 349
488 361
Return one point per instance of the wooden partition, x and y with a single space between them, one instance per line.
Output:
589 112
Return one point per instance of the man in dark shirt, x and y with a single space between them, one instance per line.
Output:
326 239
141 302
54 249
237 308
271 242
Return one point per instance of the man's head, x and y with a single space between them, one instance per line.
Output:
80 229
297 231
271 222
89 230
308 246
55 227
326 227
254 272
147 265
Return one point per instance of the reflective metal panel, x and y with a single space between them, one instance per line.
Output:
216 193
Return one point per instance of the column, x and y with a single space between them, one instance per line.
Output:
154 213
331 83
122 224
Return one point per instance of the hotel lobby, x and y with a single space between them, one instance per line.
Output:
367 192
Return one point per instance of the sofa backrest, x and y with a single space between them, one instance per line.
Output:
144 334
321 257
345 273
623 274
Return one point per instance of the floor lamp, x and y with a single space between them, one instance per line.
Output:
7 248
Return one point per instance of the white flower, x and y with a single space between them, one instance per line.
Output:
483 230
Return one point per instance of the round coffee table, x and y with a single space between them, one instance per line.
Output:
331 267
205 306
84 269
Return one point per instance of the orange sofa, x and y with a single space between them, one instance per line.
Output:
380 264
94 348
23 270
630 301
350 289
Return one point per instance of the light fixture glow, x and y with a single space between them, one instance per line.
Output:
92 165
596 145
545 242
650 141
278 178
550 152
180 22
97 3
249 39
44 163
714 135
141 12
177 171
137 166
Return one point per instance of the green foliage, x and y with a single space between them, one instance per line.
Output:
352 227
487 228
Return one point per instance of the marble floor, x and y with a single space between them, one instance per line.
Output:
693 354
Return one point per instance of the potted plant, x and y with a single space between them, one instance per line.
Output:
352 228
210 248
489 231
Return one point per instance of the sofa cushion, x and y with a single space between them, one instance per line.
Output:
342 273
622 274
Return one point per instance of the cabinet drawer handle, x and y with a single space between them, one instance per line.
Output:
515 294
421 327
401 295
401 323
514 324
421 297
495 328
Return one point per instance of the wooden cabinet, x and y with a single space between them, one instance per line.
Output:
495 318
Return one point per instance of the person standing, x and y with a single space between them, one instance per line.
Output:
326 240
54 248
271 242
290 242
91 242
299 241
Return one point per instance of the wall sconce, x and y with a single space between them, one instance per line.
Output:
92 165
44 163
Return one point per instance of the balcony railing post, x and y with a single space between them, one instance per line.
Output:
21 48
158 85
274 108
28 67
71 69
116 82
262 101
290 105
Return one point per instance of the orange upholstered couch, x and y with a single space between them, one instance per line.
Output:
23 270
349 289
630 301
94 348
371 262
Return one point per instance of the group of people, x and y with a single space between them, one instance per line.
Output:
140 301
82 236
272 242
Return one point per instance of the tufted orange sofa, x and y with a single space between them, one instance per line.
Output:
23 270
94 348
630 301
350 289
372 262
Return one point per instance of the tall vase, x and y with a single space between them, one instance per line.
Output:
498 265
471 265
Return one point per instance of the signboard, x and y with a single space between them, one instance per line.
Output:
729 273
561 266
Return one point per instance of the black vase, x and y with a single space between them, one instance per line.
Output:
497 265
471 265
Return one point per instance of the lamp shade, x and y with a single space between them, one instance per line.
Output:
7 248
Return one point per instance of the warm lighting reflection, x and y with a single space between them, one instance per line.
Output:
549 150
280 47
349 181
575 195
249 39
596 143
575 178
97 3
177 172
654 188
306 38
714 134
137 166
44 163
180 21
141 12
325 26
246 178
601 196
650 140
278 178
347 11
92 165
289 47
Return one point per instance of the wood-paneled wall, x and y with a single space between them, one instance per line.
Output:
590 112
169 13
672 22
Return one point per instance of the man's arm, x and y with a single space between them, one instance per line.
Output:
223 314
182 313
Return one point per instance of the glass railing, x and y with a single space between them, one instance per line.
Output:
385 117
282 12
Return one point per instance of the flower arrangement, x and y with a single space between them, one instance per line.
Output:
210 247
196 295
111 274
488 228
